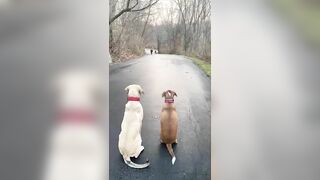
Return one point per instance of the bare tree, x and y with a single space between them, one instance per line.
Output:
132 8
191 12
173 27
145 24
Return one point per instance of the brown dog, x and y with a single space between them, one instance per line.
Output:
169 122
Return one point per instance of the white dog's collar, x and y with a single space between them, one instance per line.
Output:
133 99
76 115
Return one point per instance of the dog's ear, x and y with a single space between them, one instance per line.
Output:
164 93
174 93
127 89
141 91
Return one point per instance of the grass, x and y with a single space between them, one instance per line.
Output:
303 13
203 65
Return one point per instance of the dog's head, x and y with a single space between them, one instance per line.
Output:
134 90
79 89
169 94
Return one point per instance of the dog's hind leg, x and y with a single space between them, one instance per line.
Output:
140 149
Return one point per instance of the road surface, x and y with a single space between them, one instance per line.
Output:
157 73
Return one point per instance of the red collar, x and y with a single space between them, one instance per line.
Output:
169 101
133 99
76 116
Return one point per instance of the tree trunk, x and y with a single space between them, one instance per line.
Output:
110 39
158 44
145 24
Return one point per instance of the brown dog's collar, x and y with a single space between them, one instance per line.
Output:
169 101
133 99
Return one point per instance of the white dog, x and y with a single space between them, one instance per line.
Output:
77 147
130 137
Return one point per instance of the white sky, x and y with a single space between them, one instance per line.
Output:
161 10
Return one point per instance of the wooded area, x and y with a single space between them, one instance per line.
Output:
171 26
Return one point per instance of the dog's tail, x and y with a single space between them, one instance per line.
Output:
128 161
169 147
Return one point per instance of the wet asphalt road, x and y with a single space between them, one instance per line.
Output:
156 73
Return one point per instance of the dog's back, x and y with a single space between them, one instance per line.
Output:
130 128
76 153
130 137
77 144
169 124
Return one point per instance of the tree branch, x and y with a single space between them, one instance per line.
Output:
150 4
131 9
118 15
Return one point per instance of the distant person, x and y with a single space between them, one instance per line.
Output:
151 51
